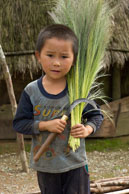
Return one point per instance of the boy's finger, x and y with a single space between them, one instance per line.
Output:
77 126
77 134
63 122
59 130
76 131
62 125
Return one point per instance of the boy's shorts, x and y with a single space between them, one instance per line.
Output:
72 182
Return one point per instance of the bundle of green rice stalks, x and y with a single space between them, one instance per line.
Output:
90 20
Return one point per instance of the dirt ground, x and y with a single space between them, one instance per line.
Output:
101 165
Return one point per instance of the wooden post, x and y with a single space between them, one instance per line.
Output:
20 139
116 83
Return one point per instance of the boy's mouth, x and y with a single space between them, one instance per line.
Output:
56 71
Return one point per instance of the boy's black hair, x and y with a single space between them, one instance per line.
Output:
58 31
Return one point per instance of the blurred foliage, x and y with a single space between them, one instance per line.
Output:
107 144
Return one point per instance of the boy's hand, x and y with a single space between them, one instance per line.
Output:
56 125
81 131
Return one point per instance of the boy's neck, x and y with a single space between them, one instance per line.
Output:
53 86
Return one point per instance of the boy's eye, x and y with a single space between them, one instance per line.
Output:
64 56
49 55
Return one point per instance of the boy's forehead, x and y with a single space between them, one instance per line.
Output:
57 39
53 43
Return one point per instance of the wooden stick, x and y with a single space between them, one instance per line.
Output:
112 183
114 178
125 191
20 139
47 142
45 146
107 189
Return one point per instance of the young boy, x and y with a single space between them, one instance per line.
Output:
39 111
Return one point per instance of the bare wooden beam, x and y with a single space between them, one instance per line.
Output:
32 52
18 53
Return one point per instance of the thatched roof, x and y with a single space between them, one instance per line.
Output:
21 21
119 45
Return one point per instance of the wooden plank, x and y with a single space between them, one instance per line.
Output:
6 118
115 104
6 112
6 130
120 117
107 129
123 124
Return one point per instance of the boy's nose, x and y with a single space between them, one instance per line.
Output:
56 63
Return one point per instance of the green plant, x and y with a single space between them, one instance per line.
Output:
90 20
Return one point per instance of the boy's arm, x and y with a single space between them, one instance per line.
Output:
94 117
24 120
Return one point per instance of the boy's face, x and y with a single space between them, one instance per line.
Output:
56 57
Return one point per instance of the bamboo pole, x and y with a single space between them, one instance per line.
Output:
20 139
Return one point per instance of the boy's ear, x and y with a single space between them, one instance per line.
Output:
37 55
